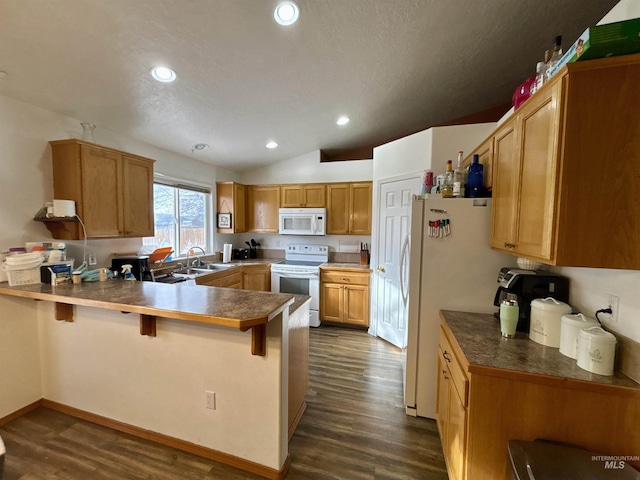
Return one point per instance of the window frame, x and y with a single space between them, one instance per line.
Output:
177 184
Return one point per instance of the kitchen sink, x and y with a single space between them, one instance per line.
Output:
217 266
201 270
190 271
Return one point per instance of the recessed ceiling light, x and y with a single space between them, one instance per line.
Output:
271 144
343 120
286 13
199 146
163 74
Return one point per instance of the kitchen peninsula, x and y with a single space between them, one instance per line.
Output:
149 377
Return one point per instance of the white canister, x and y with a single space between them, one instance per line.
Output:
571 326
596 350
546 319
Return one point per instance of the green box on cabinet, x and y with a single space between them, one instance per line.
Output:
609 40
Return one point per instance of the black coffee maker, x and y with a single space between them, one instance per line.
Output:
526 285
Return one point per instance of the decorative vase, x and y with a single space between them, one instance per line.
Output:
87 132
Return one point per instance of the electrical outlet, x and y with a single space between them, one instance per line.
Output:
92 259
211 400
614 305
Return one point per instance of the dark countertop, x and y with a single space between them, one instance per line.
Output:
298 301
226 307
478 335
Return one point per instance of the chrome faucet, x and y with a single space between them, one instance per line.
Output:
198 261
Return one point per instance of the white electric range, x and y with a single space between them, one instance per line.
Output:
300 274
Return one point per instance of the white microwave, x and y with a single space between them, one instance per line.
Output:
302 221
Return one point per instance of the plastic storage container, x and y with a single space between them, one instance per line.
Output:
571 326
596 350
546 320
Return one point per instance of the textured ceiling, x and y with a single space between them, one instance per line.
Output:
394 66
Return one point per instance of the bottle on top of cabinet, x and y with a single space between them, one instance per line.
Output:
475 177
459 178
446 189
556 55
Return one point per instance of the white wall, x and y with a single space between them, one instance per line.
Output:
26 181
307 168
20 376
101 364
624 10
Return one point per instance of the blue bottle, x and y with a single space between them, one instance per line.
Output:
474 178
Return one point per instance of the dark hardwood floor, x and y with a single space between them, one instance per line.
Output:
354 428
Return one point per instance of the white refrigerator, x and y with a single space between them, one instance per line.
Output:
451 267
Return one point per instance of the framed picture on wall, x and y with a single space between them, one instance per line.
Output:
224 220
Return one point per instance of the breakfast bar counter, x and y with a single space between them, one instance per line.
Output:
215 306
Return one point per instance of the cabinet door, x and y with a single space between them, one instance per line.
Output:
231 198
101 212
292 196
456 435
137 197
256 277
262 208
360 208
539 127
356 305
442 402
331 302
314 195
506 169
337 208
239 208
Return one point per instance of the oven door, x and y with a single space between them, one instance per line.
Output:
297 284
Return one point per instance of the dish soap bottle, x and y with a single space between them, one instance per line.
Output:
126 272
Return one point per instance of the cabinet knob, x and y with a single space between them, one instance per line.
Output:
509 245
444 374
381 269
446 356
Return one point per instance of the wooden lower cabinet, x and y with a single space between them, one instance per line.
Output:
344 297
256 277
229 278
246 277
505 405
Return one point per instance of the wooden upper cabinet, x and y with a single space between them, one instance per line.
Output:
263 202
231 198
137 199
572 174
360 203
505 188
349 208
337 208
113 191
308 195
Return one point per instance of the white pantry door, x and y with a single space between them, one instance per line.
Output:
392 272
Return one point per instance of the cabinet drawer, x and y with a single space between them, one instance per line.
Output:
449 359
344 277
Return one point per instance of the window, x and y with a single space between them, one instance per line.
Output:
181 217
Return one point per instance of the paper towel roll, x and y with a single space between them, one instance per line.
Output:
226 253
